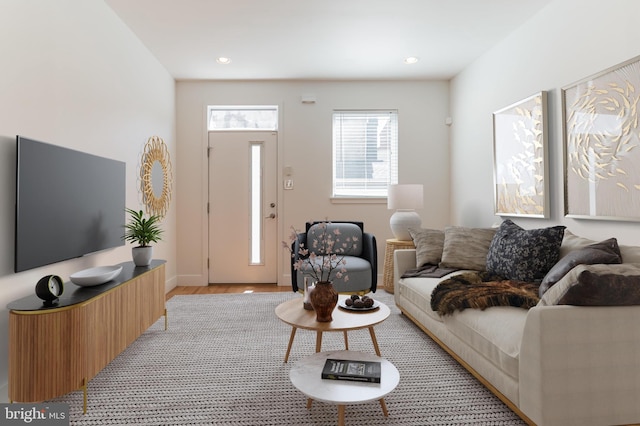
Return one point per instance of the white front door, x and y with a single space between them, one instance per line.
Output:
242 207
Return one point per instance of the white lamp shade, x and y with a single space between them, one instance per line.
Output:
405 196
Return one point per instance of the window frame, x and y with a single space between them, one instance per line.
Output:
237 108
352 194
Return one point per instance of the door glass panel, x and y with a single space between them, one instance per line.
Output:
256 204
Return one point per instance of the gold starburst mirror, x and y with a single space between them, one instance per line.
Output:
156 176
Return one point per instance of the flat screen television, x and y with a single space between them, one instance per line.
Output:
68 204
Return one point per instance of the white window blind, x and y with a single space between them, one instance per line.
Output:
365 152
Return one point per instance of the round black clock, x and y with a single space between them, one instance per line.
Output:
49 288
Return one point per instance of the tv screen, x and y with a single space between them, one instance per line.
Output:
68 204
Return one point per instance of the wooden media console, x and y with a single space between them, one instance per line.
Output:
56 350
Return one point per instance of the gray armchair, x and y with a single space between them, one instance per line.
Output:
361 260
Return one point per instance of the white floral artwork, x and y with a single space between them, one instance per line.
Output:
602 145
520 153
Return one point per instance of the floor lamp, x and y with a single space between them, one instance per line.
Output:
404 199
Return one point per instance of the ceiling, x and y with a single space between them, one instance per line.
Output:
321 39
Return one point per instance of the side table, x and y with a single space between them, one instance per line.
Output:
306 376
387 274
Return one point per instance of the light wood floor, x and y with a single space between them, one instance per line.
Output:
228 288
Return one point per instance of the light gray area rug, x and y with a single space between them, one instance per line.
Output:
221 362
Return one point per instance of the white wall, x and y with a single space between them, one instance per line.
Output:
73 75
565 42
305 144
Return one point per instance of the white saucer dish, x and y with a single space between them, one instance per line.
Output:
95 276
343 305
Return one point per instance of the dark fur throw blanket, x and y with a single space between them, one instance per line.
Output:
480 290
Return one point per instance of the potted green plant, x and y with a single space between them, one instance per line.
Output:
142 231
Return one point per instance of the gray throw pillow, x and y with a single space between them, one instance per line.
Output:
524 254
429 244
603 252
466 248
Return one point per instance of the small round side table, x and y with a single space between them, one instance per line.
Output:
387 274
306 376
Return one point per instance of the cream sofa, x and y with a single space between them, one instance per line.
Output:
552 365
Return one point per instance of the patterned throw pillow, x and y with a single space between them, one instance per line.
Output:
524 254
429 244
603 252
466 248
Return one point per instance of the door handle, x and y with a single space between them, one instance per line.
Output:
271 216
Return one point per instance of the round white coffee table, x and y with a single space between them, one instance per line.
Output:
306 376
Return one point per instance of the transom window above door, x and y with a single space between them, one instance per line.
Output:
242 117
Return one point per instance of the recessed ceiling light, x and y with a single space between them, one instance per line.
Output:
222 60
410 60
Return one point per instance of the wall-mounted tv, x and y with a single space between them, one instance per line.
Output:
68 204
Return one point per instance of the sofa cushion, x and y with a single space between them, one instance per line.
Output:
596 285
524 254
418 291
429 245
571 242
630 254
466 248
603 252
496 333
346 236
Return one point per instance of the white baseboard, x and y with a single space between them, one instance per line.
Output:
170 284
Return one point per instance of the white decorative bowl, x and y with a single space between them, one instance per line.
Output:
95 276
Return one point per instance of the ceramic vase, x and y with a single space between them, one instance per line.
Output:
324 299
142 255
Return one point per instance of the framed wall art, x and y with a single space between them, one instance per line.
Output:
602 144
520 158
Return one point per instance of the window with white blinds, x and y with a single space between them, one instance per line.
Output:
365 152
